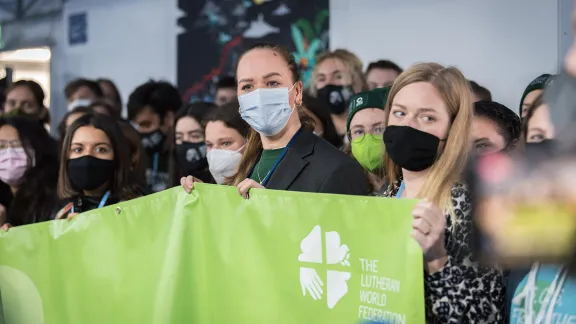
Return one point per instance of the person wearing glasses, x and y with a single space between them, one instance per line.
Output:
364 128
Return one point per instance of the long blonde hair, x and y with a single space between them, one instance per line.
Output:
450 163
351 63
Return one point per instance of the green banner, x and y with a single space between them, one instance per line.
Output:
213 257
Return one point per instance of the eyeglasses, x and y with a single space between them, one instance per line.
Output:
377 131
10 144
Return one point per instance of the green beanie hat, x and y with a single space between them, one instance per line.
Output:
537 84
375 98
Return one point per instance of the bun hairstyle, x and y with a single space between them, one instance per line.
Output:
254 143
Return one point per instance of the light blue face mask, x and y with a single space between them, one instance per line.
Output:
266 110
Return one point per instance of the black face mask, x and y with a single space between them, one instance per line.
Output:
191 157
536 153
89 173
336 97
410 148
153 141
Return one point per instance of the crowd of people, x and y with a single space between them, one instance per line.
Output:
382 131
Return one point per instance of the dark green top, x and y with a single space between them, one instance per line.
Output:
265 164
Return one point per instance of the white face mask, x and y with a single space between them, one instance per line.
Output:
223 163
267 111
79 103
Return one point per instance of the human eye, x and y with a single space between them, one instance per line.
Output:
536 138
272 84
226 144
197 137
428 119
378 130
358 132
398 113
76 149
246 87
101 149
338 76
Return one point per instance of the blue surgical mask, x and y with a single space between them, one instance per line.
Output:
267 111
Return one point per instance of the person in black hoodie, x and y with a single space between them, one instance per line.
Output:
96 166
28 171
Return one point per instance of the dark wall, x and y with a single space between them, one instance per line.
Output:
218 31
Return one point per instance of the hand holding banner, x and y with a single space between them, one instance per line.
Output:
213 257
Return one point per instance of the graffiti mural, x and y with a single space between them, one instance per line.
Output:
216 32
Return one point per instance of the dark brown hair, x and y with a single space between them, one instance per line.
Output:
538 102
74 85
123 186
196 111
34 200
137 153
43 114
62 125
228 114
254 143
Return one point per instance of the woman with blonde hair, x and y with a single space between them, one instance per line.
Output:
428 124
335 78
282 153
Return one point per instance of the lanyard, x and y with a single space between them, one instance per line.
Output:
102 201
284 151
400 190
155 163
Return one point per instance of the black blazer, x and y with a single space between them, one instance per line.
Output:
314 165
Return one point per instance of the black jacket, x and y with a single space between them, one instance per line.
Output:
314 165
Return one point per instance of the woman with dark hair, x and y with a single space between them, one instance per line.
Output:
226 137
29 167
495 128
96 168
323 125
188 156
282 153
26 97
112 95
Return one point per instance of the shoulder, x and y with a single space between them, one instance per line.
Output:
328 152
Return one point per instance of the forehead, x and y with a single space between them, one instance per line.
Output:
90 134
381 73
217 129
187 124
8 132
20 92
146 114
330 65
259 62
483 127
540 117
368 116
531 96
420 95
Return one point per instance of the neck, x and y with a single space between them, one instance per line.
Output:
96 192
281 139
340 123
413 182
14 190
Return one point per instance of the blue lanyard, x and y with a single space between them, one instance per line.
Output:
400 190
284 151
102 201
155 164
